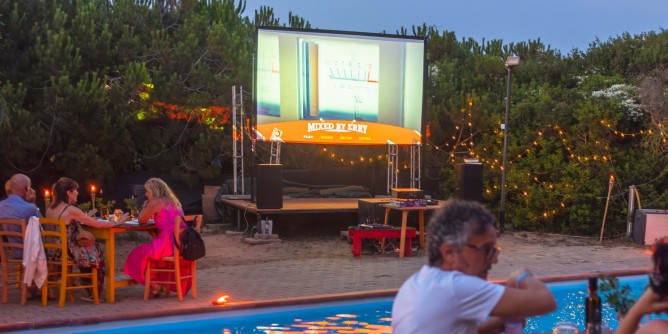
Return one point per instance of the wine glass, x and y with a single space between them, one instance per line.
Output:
565 327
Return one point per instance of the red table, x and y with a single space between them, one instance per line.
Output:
357 234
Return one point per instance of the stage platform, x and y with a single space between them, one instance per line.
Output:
243 211
297 205
245 208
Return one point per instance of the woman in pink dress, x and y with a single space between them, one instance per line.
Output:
163 207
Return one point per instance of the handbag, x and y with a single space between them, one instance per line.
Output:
191 245
84 238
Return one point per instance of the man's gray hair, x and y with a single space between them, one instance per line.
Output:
453 224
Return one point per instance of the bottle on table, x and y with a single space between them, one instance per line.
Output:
593 308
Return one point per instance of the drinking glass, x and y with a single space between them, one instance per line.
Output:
118 213
565 327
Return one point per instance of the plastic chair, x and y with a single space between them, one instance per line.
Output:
12 269
54 235
172 265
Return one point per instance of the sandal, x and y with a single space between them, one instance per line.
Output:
86 298
156 291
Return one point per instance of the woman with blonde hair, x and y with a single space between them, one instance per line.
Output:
163 207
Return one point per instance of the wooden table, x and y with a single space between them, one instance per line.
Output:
404 217
109 235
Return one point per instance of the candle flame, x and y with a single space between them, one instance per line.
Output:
92 188
221 300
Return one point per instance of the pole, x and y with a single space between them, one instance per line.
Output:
605 214
630 210
502 211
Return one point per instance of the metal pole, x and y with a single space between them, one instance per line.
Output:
502 211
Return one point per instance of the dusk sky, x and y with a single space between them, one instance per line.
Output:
563 24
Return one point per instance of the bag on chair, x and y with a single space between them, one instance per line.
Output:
84 238
191 243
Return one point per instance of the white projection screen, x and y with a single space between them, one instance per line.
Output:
330 87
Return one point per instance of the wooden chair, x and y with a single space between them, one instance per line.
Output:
12 268
172 268
54 235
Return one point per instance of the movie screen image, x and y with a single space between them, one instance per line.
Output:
339 88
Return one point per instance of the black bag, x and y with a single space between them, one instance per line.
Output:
191 243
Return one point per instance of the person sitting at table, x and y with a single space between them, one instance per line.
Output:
19 204
451 293
163 207
85 255
653 300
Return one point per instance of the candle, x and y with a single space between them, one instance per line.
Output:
92 196
47 198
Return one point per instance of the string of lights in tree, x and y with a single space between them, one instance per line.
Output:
536 178
457 140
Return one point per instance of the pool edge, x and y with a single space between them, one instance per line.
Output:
269 303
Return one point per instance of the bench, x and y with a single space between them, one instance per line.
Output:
357 234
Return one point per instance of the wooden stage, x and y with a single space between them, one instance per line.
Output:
297 205
245 210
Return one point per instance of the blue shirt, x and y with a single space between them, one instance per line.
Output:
16 207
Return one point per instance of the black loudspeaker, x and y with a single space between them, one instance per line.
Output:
269 186
469 182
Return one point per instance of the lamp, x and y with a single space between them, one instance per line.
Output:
511 62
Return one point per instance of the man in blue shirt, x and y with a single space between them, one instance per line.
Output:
19 204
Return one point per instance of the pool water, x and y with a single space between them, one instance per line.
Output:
365 315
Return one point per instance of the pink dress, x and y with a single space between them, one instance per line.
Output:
162 245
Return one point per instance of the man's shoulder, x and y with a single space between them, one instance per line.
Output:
15 206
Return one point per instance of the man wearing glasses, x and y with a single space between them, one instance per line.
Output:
451 294
19 204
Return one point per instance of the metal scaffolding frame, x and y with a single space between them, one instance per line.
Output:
416 162
392 165
275 157
238 139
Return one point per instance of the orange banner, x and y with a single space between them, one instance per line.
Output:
337 132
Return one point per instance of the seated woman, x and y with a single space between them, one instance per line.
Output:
654 300
163 207
85 256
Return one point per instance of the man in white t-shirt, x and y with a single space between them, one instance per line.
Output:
451 294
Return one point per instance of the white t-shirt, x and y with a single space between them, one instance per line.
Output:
437 301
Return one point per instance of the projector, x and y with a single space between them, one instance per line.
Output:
413 193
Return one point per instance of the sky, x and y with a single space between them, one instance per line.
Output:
562 24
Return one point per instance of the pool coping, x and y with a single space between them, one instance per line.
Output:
269 303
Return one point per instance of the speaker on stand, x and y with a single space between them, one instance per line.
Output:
469 181
269 186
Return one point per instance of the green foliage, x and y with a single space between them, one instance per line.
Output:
85 207
94 88
131 204
619 297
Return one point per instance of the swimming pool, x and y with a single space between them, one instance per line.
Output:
371 315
